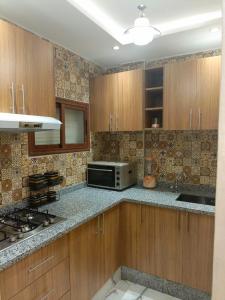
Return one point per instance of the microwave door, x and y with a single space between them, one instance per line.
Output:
101 176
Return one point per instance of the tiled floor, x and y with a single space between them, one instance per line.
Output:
125 290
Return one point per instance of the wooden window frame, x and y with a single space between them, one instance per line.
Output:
35 150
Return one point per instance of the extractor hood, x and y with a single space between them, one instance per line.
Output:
27 123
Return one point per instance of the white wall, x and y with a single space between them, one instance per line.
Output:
219 246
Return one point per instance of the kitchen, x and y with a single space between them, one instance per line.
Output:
111 157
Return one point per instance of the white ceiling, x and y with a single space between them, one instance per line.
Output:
64 24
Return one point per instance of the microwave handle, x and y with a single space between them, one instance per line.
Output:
105 170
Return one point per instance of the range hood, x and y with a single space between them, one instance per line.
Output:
27 123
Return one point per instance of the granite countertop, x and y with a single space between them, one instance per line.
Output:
80 204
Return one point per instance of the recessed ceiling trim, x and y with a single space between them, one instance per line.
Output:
108 24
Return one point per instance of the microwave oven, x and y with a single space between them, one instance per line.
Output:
111 175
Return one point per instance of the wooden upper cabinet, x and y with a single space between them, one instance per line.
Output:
103 95
34 75
191 94
179 95
208 91
26 72
130 101
7 67
117 102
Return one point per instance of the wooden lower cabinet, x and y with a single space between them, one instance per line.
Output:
197 251
94 254
167 243
130 230
111 242
25 272
85 260
146 253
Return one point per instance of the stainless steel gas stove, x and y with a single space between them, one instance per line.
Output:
23 223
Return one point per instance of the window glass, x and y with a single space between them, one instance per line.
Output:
74 126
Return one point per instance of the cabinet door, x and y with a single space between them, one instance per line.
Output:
180 95
111 239
86 260
130 230
34 75
168 244
130 101
7 67
208 91
146 254
198 236
103 94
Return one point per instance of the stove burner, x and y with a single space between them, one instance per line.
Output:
22 223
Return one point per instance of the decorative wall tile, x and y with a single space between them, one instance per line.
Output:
180 155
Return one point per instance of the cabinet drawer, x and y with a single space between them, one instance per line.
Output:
32 267
50 286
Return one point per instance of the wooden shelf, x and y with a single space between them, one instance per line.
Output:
154 98
158 88
153 108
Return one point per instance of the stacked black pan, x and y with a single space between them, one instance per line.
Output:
38 184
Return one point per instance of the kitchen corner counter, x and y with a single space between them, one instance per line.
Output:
81 205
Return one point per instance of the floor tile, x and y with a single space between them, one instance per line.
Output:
125 290
154 295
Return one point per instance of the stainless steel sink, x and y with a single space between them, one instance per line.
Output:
196 199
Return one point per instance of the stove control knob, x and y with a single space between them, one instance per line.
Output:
45 223
12 238
51 220
20 235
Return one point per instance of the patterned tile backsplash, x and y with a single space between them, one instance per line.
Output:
189 157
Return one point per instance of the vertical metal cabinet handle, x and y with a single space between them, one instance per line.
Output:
45 297
190 118
23 99
199 118
117 121
110 121
44 261
13 98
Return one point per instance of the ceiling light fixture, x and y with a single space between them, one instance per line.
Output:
103 19
142 32
116 48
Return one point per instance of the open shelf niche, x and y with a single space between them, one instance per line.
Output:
154 98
